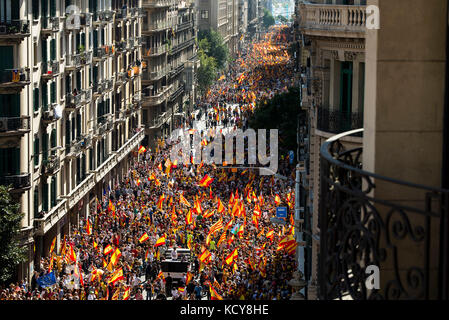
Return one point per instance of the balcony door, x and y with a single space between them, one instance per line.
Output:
9 10
9 161
346 95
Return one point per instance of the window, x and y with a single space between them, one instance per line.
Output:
36 150
53 201
36 201
53 92
35 9
44 97
44 146
45 197
204 14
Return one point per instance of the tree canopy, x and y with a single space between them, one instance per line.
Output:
214 47
268 19
11 254
280 113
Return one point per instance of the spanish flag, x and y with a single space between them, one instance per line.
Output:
214 295
72 254
206 181
204 255
107 250
116 276
115 256
270 234
277 200
144 237
231 257
189 277
88 227
189 218
220 208
52 247
142 150
160 241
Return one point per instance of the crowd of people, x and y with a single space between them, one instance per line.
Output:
236 252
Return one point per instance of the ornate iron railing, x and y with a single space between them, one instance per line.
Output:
360 225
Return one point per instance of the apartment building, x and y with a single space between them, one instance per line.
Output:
242 21
221 16
170 63
69 109
375 175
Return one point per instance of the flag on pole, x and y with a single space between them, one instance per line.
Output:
206 181
116 276
115 256
144 237
160 242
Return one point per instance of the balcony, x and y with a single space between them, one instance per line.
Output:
98 89
14 30
156 27
120 14
174 71
50 70
137 98
18 183
177 48
74 62
154 75
121 78
150 4
49 116
87 95
159 121
99 130
73 102
14 126
156 51
348 21
184 25
86 19
336 121
175 95
152 99
73 149
108 85
369 219
51 166
14 80
86 142
49 26
100 18
99 54
120 47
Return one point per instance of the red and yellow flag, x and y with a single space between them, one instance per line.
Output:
115 256
217 226
221 207
204 256
184 200
116 276
107 250
127 293
144 237
160 241
142 150
231 256
214 294
52 247
189 218
88 227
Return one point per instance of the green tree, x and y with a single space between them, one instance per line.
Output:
11 254
216 47
282 19
268 19
281 112
207 71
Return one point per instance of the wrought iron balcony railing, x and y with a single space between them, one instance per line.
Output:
50 69
49 25
336 121
366 219
12 81
51 165
18 182
15 125
157 3
15 28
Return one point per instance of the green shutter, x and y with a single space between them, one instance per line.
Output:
53 49
44 146
95 39
36 151
36 99
44 50
7 57
53 191
36 201
52 8
45 196
44 97
53 92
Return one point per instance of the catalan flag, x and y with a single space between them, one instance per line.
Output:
222 239
160 275
72 254
160 242
189 277
144 237
206 181
216 226
189 218
184 201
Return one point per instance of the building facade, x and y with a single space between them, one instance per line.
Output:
170 64
70 109
374 175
